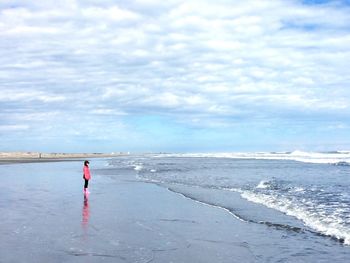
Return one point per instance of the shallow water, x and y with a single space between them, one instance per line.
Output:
305 201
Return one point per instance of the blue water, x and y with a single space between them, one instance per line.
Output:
311 200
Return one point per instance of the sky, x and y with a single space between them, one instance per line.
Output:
174 76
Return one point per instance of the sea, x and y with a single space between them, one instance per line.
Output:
303 194
198 207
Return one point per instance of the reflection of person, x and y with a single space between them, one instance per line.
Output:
86 176
86 212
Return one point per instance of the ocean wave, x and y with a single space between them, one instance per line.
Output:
263 185
332 226
342 163
298 189
230 211
334 157
138 167
237 215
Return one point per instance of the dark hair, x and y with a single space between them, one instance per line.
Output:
86 162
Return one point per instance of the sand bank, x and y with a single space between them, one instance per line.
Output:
23 157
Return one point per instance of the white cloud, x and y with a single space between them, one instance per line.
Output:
11 128
103 111
25 95
218 59
110 13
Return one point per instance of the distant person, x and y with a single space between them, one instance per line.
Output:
86 176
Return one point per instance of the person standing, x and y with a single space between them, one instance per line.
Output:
86 176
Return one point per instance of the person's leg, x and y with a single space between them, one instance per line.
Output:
86 185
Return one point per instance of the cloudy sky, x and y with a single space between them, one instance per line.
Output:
176 76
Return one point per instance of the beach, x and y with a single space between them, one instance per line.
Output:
31 157
45 218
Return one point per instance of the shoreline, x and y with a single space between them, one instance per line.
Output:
34 157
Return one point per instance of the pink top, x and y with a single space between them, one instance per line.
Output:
86 171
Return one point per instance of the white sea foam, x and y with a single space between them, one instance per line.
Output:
263 185
337 157
331 225
138 167
298 189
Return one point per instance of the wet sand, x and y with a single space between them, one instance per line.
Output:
38 160
36 157
45 218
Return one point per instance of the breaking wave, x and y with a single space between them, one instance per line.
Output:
334 157
330 225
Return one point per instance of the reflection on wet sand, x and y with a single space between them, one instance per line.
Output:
86 213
